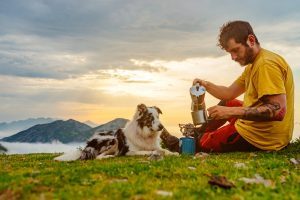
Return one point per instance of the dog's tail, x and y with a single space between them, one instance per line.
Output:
69 156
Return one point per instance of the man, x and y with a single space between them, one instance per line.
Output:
265 119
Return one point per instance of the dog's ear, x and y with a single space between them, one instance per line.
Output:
142 108
158 109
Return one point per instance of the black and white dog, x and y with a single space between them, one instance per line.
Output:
141 136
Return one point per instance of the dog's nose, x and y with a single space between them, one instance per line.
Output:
160 127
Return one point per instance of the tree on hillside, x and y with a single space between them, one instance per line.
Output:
2 149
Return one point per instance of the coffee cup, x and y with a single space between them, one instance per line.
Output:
187 145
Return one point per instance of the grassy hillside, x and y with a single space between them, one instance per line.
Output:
37 176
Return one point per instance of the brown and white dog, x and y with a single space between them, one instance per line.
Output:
141 136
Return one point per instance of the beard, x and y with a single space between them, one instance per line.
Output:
248 58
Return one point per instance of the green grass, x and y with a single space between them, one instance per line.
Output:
37 176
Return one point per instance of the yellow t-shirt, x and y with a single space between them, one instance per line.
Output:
268 75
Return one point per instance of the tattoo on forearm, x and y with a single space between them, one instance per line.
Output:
256 114
280 115
269 111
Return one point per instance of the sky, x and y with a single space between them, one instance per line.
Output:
97 60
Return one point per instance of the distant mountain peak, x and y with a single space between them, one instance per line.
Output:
91 123
72 121
111 125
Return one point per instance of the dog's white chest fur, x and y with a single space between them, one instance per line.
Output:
140 142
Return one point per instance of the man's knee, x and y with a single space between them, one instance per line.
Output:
169 141
233 103
222 103
208 144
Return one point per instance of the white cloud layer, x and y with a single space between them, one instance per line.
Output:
25 148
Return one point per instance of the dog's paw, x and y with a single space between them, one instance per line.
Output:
155 156
172 153
100 157
168 153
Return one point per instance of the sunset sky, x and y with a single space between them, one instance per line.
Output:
96 60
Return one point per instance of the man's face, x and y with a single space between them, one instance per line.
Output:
239 52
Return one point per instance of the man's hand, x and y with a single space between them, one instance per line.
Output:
221 92
200 81
220 112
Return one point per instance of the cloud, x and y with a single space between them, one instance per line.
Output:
45 39
25 97
31 56
25 148
100 58
39 92
44 62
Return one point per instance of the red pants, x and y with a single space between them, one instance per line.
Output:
226 138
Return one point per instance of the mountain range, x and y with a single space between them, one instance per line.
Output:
9 128
62 131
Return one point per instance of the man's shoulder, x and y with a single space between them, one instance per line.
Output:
270 59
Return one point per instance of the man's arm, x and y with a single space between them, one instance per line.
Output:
221 92
272 109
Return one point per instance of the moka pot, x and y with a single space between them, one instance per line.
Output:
199 114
